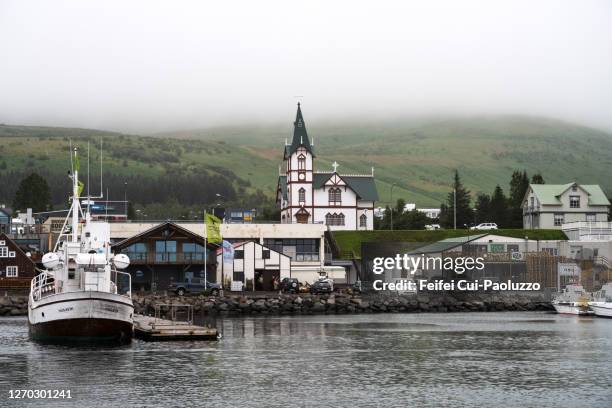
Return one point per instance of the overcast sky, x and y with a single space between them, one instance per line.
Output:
144 66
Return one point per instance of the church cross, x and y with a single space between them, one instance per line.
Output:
335 164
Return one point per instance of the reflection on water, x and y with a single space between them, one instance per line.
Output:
488 359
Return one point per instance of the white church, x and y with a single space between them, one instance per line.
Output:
306 196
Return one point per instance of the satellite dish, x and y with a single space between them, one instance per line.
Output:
121 261
50 260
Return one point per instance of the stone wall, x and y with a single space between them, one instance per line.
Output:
307 304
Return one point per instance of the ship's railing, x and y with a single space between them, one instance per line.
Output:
42 285
117 287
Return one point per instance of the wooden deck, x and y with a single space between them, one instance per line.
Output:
155 329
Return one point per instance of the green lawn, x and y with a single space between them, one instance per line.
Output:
349 241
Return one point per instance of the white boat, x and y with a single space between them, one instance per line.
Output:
602 301
572 300
81 296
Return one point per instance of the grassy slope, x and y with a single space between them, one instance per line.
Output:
418 155
351 240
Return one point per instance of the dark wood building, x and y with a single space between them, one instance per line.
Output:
16 268
167 253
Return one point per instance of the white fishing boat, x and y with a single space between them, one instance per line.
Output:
81 295
602 301
572 300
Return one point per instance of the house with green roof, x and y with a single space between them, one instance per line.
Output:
306 196
549 206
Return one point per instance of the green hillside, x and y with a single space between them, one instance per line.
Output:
419 155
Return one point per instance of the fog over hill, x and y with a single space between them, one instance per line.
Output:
417 154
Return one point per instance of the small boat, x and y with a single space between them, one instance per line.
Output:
572 300
602 301
81 296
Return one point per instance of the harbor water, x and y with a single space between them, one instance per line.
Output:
456 359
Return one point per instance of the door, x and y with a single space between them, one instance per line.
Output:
269 275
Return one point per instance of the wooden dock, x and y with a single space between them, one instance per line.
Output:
155 329
159 327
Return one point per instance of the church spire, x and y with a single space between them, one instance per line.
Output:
300 136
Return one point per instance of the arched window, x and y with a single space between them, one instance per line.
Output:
335 196
334 219
363 221
301 162
302 195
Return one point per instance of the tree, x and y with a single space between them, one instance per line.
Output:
537 179
499 207
519 183
465 215
483 208
33 192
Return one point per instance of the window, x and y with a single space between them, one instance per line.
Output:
3 252
238 277
136 251
334 219
363 221
165 251
302 195
11 254
11 272
335 196
590 217
301 162
574 201
558 219
265 254
297 249
2 243
193 251
239 254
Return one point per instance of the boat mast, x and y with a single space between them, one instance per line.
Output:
76 205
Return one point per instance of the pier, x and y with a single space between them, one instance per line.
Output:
158 328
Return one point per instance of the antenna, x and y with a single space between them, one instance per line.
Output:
106 206
88 181
101 153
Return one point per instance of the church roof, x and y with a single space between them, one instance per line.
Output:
300 136
364 186
282 183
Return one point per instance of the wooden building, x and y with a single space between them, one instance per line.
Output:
16 268
167 253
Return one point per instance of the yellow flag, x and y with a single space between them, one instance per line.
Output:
213 228
81 187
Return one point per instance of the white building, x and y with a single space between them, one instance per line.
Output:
549 206
306 196
252 267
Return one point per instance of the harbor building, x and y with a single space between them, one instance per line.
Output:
16 267
549 206
166 253
252 266
307 196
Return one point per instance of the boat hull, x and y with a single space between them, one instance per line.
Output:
572 309
602 309
86 316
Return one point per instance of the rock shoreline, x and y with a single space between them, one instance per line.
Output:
337 303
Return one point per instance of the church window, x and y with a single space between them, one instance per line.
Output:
334 219
335 196
363 221
302 195
301 162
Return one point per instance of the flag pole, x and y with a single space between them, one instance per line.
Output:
205 252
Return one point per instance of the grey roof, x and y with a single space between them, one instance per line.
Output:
548 194
300 136
364 186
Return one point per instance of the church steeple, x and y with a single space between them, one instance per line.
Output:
300 136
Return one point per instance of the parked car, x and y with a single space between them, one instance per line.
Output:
323 285
485 226
432 227
196 285
290 285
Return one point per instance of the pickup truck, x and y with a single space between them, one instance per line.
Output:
196 285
